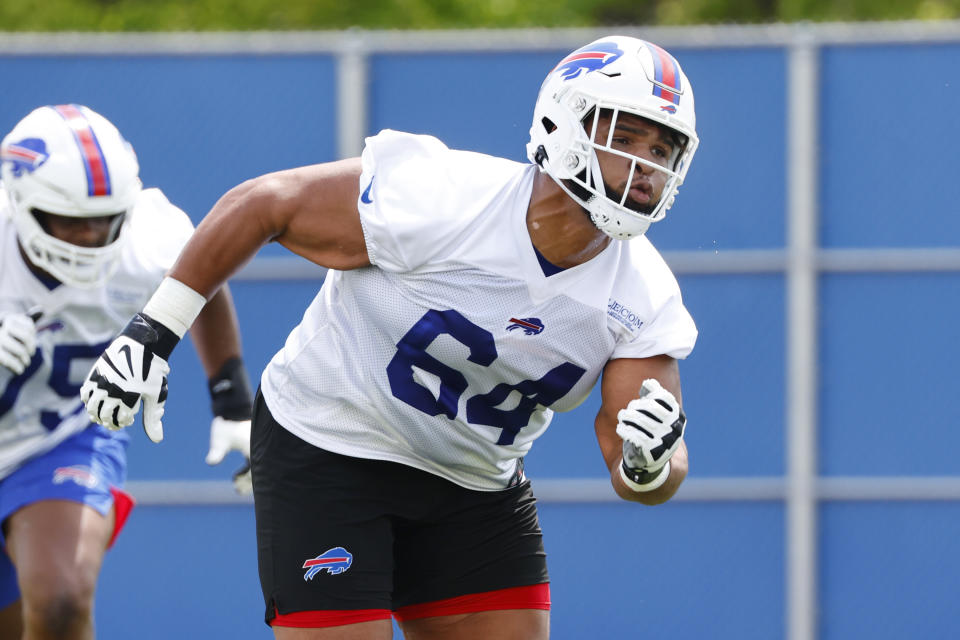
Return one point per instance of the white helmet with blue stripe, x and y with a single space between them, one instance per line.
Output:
70 161
614 75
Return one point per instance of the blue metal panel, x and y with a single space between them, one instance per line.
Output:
889 352
733 382
199 124
183 572
735 193
889 571
477 101
268 311
484 102
684 571
888 135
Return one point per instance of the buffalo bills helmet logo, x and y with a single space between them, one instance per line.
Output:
25 156
335 560
589 58
530 326
669 108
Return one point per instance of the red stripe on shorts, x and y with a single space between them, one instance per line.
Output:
535 596
315 619
122 506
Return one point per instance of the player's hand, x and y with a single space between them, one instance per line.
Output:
652 429
231 435
18 341
232 404
243 480
133 369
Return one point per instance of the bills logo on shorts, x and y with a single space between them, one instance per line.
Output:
335 560
26 156
530 326
589 58
79 475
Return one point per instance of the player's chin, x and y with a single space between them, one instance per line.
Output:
645 208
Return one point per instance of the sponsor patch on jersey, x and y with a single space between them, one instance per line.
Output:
587 59
530 326
623 315
333 561
25 156
78 475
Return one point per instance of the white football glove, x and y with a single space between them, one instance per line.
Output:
652 428
243 480
231 435
132 369
18 342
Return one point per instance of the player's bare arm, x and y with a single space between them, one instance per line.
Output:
621 383
215 333
310 210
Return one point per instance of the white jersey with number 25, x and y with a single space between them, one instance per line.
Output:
41 407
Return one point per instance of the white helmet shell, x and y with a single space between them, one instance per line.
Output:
621 75
70 161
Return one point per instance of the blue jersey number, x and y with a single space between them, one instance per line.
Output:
61 360
481 409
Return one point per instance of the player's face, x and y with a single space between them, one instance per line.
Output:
82 232
642 138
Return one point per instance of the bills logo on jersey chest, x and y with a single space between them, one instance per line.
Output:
530 326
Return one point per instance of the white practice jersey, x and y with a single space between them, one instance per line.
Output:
452 352
41 407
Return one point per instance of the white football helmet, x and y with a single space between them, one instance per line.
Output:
614 75
70 161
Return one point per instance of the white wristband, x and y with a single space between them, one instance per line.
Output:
656 483
175 305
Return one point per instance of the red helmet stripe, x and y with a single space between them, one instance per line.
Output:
95 165
666 74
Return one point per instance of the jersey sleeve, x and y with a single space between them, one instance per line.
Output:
418 198
671 332
649 316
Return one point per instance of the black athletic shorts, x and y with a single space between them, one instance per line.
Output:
341 533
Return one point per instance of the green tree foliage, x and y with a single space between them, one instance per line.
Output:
241 15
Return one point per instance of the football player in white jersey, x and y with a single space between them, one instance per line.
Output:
468 298
82 247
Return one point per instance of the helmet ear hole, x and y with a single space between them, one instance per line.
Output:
548 124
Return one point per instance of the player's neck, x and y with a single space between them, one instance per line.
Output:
559 228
